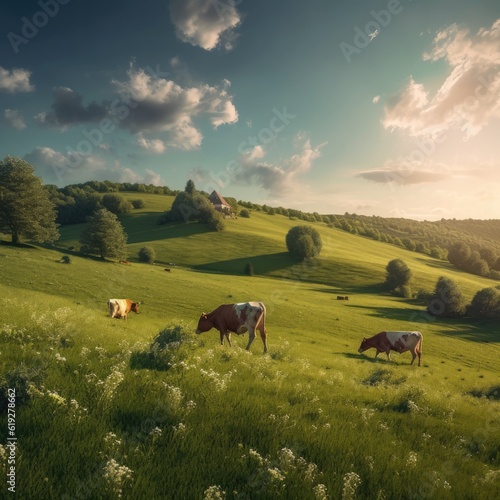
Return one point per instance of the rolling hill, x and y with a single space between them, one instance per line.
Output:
312 416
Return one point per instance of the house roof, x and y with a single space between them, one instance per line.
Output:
217 199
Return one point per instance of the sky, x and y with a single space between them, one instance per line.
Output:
374 107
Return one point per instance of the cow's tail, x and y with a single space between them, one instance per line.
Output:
263 318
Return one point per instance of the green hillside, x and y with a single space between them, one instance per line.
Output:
312 416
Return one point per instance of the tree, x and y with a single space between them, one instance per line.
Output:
245 213
399 276
25 206
485 304
104 235
459 254
116 204
147 254
447 300
303 242
249 269
189 189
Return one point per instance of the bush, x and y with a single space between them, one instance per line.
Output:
245 213
20 379
249 269
116 204
485 304
170 346
447 300
147 254
303 242
138 203
398 276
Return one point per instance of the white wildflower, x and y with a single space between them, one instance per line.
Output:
115 476
320 492
351 483
60 358
214 493
174 395
275 474
179 430
57 398
411 461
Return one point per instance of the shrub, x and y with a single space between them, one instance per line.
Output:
249 269
138 203
147 254
303 242
116 203
171 345
447 300
244 213
398 276
485 304
20 379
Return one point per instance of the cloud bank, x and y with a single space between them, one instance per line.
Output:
14 118
469 97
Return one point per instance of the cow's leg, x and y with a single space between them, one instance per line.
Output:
221 337
388 352
413 355
377 353
263 336
251 336
228 337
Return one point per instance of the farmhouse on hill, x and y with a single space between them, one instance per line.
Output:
219 203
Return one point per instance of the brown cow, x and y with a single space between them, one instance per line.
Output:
395 341
119 308
237 318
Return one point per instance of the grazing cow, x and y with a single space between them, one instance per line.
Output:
340 297
346 297
237 318
119 308
395 341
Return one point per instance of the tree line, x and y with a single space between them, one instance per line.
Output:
447 300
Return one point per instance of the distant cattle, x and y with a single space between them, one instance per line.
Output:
167 269
126 262
237 318
119 308
395 341
342 297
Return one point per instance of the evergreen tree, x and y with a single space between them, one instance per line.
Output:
25 206
190 189
104 235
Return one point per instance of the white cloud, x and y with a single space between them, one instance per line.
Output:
14 118
15 80
376 99
161 105
129 175
469 97
151 145
278 178
205 23
59 168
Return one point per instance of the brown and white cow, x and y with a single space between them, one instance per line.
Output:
395 341
119 308
237 318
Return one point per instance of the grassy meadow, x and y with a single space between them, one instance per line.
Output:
312 419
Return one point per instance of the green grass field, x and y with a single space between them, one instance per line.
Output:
311 419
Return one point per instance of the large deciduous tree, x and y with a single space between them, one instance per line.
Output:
447 300
104 235
303 242
25 206
398 275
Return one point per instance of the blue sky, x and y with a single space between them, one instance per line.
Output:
387 108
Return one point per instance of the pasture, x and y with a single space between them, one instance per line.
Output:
311 419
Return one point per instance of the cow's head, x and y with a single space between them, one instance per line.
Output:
135 307
364 346
204 324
